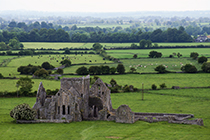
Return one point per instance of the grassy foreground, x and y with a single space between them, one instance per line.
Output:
95 130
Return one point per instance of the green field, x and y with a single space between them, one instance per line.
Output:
182 80
197 103
39 45
54 60
165 52
147 64
45 45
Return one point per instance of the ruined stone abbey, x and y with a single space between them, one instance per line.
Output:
76 101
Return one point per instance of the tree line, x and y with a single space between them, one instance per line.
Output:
60 35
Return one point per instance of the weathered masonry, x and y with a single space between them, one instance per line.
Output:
75 101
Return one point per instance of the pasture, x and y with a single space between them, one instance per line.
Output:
165 52
196 102
146 64
54 60
45 45
177 79
48 45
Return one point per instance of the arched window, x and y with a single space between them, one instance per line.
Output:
68 109
64 110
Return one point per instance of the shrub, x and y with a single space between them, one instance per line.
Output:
163 85
135 56
189 68
132 69
46 65
25 84
206 67
112 70
82 70
23 112
66 62
59 71
120 68
154 87
194 55
202 59
1 76
160 69
113 82
41 73
155 54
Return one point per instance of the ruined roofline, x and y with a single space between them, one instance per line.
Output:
163 114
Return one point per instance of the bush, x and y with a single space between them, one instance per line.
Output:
202 59
132 69
82 70
155 54
163 85
194 55
154 87
59 71
112 70
41 73
160 69
113 82
1 76
23 112
66 62
46 65
25 84
120 68
206 67
135 56
189 68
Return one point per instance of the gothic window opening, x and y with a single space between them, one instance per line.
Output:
75 107
58 109
64 110
68 109
102 93
99 87
81 95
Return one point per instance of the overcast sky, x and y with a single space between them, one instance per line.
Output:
105 5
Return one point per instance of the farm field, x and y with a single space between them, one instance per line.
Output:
47 45
197 103
54 60
178 79
165 52
5 57
10 84
146 64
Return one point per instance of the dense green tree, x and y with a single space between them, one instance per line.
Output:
82 71
26 85
155 54
97 46
194 55
23 112
47 65
135 56
189 68
202 59
66 62
41 73
112 70
105 69
120 68
206 67
142 43
113 82
59 71
160 69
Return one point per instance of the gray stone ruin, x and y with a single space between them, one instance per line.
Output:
75 101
